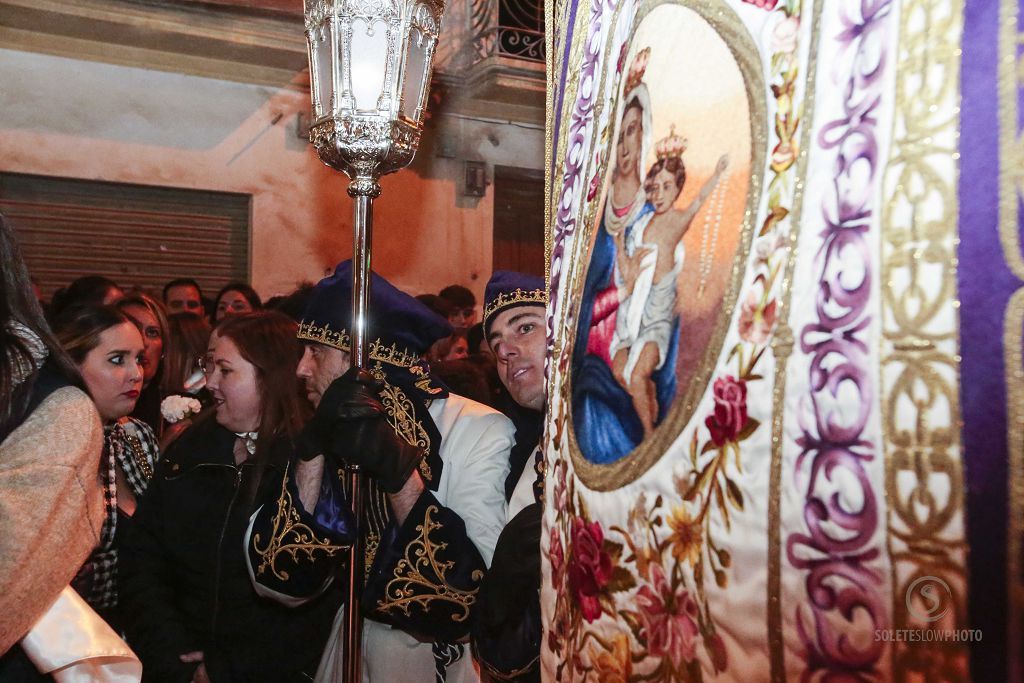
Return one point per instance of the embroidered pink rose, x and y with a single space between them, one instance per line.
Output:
785 35
590 567
730 414
763 4
668 619
756 323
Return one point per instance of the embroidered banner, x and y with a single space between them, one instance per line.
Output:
757 423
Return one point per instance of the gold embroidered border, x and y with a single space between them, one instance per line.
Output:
919 364
568 97
399 414
782 346
288 535
411 587
550 63
1011 169
339 339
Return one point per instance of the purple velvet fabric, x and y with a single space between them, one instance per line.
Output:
985 285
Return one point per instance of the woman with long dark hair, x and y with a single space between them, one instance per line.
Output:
50 498
107 347
188 336
193 611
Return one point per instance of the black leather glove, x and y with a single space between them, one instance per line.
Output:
513 580
350 425
506 628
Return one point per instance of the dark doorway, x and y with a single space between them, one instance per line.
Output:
519 220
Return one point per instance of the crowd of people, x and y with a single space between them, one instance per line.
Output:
179 462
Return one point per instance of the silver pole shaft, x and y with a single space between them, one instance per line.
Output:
362 238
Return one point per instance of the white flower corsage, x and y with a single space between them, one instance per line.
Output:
177 408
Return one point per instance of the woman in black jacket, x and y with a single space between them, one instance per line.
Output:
191 611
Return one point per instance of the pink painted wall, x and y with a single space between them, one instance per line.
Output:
88 120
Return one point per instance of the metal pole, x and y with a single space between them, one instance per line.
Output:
362 238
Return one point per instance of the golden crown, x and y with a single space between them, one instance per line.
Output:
637 69
671 146
517 297
339 339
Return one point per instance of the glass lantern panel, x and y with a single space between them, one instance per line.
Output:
322 57
369 62
415 72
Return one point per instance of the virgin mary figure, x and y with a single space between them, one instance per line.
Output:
618 280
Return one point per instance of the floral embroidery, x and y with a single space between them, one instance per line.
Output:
638 609
668 619
590 568
729 419
687 536
614 665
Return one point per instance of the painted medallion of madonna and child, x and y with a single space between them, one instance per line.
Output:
669 237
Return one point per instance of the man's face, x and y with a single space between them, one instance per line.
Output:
321 365
184 299
517 339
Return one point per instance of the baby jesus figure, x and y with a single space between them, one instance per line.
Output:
649 268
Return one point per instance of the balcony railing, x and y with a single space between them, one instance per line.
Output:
508 28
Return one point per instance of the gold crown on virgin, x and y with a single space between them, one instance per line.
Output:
636 69
670 146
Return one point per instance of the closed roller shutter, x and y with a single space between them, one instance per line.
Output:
137 235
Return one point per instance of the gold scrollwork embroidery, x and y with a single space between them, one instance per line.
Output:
411 586
426 382
920 369
290 536
401 417
1011 191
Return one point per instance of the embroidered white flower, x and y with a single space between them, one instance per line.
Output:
177 408
785 35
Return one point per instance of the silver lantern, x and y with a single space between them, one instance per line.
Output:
369 71
369 63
